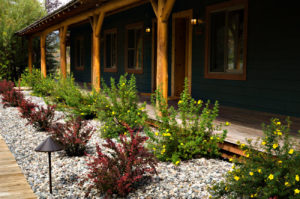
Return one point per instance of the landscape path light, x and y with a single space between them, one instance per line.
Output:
49 145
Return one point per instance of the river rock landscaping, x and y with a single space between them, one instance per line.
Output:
189 179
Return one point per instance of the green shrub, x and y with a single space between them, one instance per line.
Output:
192 137
120 105
30 79
261 175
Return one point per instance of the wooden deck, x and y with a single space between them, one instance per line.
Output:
12 181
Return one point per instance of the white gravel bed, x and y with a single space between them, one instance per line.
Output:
188 180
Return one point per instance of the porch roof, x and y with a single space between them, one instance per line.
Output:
73 8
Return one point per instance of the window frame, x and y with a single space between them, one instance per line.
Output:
130 27
230 5
115 68
81 39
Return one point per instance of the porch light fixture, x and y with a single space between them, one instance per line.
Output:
49 145
196 21
148 29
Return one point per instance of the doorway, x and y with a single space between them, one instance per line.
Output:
181 51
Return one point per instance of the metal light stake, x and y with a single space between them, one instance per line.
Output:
49 145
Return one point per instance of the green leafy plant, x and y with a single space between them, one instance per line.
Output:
44 86
270 168
120 105
30 79
187 132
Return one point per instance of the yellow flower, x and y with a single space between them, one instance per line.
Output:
128 111
291 151
81 113
263 143
177 162
230 160
271 177
156 133
275 132
167 130
163 151
179 102
199 101
242 145
297 178
259 170
251 173
279 133
167 134
154 149
278 123
123 84
233 167
297 191
113 113
236 178
211 137
287 184
247 155
252 195
226 188
275 146
279 162
164 146
227 124
181 144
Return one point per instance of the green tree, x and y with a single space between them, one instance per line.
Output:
15 15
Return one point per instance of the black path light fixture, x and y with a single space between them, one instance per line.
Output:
49 145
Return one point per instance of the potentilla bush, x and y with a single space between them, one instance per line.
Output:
12 97
119 105
26 107
30 79
6 86
42 118
187 132
73 135
44 86
124 164
270 169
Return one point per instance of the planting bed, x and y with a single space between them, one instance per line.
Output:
187 180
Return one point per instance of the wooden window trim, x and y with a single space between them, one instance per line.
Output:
114 69
221 7
78 68
128 27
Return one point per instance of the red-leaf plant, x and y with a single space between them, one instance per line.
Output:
6 86
73 135
12 97
26 107
125 164
42 118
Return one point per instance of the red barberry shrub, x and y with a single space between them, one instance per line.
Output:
26 107
6 86
12 97
42 118
124 165
73 135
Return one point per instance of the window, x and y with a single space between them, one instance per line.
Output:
79 53
226 41
110 50
134 48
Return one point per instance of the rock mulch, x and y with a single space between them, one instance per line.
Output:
188 180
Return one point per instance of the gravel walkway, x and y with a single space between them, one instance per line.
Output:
188 180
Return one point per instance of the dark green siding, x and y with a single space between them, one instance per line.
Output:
273 58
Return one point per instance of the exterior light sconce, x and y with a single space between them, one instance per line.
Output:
148 29
196 21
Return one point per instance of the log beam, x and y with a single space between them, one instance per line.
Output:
63 60
162 10
43 55
30 54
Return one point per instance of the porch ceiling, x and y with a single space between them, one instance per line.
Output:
73 8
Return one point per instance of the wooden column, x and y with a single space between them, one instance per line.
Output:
96 25
162 9
30 54
63 60
43 55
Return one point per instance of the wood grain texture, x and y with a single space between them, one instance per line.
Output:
12 181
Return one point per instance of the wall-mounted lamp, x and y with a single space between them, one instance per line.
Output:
148 29
196 21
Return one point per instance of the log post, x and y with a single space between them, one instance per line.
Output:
96 25
43 55
63 60
30 54
162 9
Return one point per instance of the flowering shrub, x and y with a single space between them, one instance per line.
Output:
192 137
73 135
26 108
261 175
41 118
6 86
30 79
126 164
120 105
12 97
